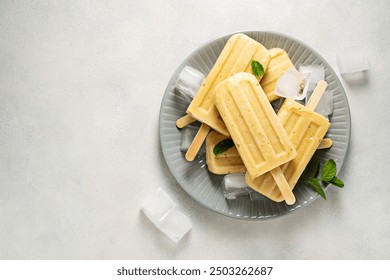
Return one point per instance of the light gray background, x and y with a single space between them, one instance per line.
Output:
81 84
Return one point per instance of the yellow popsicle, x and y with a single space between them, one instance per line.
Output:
306 130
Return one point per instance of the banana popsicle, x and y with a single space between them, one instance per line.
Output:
230 161
258 134
306 130
235 57
279 64
226 162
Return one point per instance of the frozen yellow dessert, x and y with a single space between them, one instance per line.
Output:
256 130
236 56
306 130
228 161
278 65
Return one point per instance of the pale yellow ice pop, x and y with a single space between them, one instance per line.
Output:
278 65
230 161
236 56
258 134
306 130
224 163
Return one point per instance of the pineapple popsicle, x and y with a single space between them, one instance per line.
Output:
306 130
235 57
226 162
279 64
257 132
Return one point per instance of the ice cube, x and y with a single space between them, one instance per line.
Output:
234 185
352 59
290 85
313 74
187 136
254 195
175 225
189 81
163 213
157 205
325 105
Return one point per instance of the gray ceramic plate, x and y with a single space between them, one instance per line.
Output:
204 186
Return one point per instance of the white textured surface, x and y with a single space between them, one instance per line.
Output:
80 89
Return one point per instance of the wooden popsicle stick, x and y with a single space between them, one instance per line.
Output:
184 121
283 185
326 143
197 142
316 95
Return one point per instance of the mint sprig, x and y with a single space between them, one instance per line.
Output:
328 171
223 146
257 68
315 183
328 176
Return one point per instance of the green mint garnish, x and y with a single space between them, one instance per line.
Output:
257 68
317 187
223 146
329 171
337 182
317 170
328 175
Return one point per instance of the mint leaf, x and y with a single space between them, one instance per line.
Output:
257 68
337 182
317 187
329 171
306 174
223 146
317 170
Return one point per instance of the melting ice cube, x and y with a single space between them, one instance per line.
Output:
189 81
325 105
158 205
313 74
254 195
352 59
187 136
175 225
234 185
163 213
291 85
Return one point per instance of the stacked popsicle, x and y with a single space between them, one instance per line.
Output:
272 149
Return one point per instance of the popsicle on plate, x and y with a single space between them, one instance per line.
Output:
306 130
258 134
226 162
279 64
235 57
230 162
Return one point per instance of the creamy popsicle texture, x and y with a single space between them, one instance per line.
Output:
235 57
230 162
227 162
257 132
279 64
306 130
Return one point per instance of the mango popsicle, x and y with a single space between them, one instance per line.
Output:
306 130
257 132
230 161
235 57
226 162
279 64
